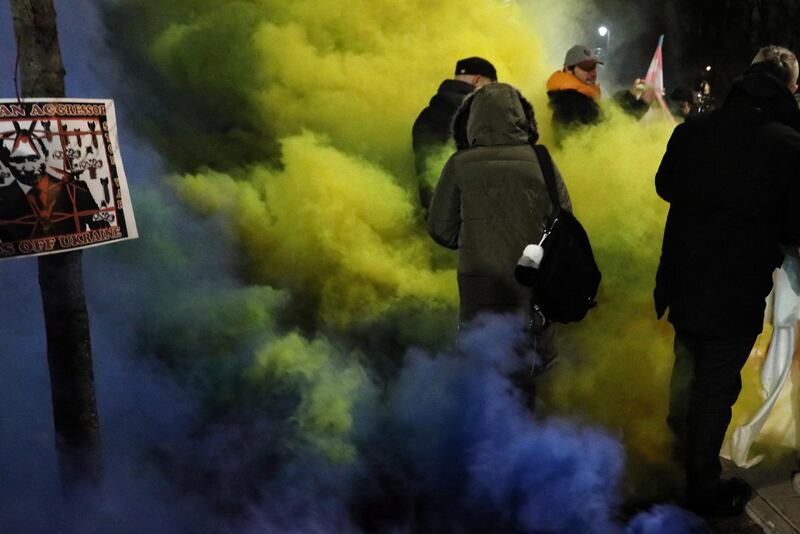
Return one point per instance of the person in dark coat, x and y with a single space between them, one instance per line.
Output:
574 92
682 102
433 127
730 177
491 201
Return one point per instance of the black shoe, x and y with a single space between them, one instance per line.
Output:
726 499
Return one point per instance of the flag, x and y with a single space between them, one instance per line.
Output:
655 73
655 78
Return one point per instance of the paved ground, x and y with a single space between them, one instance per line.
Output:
775 506
738 525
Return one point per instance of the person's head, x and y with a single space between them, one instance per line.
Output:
582 62
25 155
684 99
476 71
495 114
784 62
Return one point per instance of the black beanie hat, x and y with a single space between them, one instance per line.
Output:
476 65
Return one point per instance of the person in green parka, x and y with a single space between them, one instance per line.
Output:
491 201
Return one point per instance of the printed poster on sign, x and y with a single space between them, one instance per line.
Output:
62 185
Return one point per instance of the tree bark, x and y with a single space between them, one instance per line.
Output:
69 354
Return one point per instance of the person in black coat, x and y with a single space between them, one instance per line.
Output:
433 127
574 92
730 177
682 102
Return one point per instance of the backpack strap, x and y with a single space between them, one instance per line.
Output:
546 164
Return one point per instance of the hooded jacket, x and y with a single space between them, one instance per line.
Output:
491 199
731 178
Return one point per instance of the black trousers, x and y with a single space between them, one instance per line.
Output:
706 381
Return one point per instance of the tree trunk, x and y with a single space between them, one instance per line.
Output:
69 353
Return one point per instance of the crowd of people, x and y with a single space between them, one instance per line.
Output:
728 174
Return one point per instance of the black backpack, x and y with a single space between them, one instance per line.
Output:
566 283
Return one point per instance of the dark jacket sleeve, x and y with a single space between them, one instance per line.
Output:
667 175
423 137
427 136
635 107
444 216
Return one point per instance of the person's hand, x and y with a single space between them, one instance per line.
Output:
642 91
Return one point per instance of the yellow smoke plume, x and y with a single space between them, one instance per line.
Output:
330 385
357 71
329 224
339 219
617 361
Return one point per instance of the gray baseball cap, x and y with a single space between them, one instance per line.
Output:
580 54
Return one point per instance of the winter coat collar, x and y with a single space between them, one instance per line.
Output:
760 89
564 80
496 114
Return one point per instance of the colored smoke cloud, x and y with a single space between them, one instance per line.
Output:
485 456
330 225
242 343
620 354
328 211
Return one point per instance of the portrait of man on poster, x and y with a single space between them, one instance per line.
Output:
41 200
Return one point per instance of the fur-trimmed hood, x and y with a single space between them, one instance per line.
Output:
496 114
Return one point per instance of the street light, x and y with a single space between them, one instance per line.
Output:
605 32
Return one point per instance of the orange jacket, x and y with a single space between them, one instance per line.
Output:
563 80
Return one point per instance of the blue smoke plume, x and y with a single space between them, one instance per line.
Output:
481 453
665 519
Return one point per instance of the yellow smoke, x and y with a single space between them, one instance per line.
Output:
617 361
339 219
329 224
330 387
338 84
357 71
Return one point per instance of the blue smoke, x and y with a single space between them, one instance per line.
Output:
665 519
482 457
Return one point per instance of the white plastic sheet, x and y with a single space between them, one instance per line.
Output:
778 418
